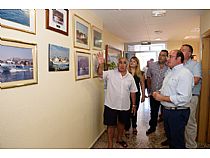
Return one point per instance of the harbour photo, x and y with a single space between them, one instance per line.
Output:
15 64
58 58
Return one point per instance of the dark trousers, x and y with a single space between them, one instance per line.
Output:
132 119
154 109
174 125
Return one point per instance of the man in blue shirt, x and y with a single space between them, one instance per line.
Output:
195 68
155 75
175 95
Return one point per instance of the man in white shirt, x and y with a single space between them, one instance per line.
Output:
120 87
175 95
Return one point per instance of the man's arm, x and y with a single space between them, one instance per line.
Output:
100 69
196 80
142 81
149 85
160 97
133 100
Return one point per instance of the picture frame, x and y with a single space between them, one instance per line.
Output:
19 19
58 20
94 65
97 38
81 33
18 63
111 57
82 65
58 58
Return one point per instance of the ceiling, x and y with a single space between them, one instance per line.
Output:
139 25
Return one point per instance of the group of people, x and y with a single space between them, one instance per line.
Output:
173 82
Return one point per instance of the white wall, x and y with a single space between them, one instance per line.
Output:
204 21
194 43
58 112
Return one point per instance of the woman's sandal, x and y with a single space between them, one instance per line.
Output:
122 143
127 134
135 132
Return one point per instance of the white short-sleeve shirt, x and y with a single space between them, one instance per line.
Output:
118 89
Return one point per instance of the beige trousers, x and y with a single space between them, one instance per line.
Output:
191 128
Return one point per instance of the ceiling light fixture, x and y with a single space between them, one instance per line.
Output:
157 39
145 43
197 29
191 37
158 13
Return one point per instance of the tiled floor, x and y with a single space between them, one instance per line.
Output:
141 141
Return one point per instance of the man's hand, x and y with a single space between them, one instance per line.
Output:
157 96
100 58
133 110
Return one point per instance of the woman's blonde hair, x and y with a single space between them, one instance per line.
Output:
137 70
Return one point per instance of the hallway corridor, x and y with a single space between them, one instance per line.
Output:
141 141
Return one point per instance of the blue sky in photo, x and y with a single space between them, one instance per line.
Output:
82 28
7 52
56 51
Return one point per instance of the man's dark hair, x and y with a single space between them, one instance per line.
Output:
180 54
190 47
164 50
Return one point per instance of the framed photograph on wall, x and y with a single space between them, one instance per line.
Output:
58 58
18 63
81 33
58 20
111 57
19 19
94 65
82 62
97 41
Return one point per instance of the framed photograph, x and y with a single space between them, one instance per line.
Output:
58 20
18 63
97 41
19 19
82 62
58 58
111 57
81 33
94 65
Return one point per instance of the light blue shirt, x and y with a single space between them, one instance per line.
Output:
195 68
178 86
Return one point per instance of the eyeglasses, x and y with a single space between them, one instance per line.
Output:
171 56
163 55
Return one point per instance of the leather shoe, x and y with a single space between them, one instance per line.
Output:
149 131
165 143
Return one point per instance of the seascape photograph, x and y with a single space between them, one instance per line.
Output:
16 64
58 58
20 16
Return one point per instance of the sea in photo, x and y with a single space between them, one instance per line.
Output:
20 16
16 64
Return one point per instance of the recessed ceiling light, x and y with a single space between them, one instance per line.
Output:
158 13
157 39
197 29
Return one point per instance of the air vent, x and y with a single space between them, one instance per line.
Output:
158 13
